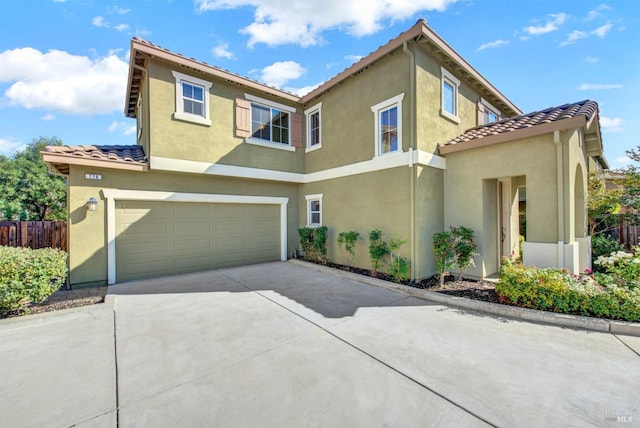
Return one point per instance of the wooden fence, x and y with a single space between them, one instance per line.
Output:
34 234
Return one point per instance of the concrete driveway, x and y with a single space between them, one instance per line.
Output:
281 344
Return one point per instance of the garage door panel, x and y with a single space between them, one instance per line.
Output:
162 238
197 245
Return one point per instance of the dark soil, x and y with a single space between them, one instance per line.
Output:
468 288
63 299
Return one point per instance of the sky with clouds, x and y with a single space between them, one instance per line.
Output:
63 63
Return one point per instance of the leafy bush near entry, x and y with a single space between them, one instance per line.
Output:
464 248
28 276
313 241
603 245
619 268
557 291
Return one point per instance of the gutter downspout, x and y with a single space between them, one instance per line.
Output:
560 182
412 142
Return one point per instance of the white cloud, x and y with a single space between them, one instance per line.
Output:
62 82
279 73
278 22
595 13
552 24
98 21
48 117
494 44
222 51
591 60
597 87
8 146
621 162
302 91
603 30
573 37
611 124
118 10
353 58
126 128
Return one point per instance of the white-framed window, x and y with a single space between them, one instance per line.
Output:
192 99
314 129
488 113
449 106
270 123
314 210
388 125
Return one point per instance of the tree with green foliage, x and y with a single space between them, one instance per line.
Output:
464 248
400 267
603 204
27 191
444 250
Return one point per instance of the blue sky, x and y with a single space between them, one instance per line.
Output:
63 64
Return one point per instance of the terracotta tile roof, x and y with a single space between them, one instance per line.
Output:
126 154
118 157
584 108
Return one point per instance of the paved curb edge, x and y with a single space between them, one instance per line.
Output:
58 315
513 312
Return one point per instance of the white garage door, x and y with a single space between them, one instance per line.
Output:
163 238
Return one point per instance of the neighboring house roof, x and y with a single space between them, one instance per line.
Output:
567 116
142 50
118 157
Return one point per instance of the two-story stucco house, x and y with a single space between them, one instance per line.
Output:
409 140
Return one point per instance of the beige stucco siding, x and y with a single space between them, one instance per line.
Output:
87 230
348 134
432 127
362 203
177 139
470 183
429 217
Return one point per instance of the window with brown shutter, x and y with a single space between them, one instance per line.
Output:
243 118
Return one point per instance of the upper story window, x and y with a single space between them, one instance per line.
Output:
314 210
450 85
192 99
388 125
487 113
314 131
268 123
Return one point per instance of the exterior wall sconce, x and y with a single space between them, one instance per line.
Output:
92 204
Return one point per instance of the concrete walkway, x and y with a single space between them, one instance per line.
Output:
285 345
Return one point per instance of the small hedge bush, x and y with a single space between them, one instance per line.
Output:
557 291
28 276
313 242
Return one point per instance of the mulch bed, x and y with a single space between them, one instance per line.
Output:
468 288
63 299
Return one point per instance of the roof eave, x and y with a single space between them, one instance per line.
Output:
137 46
518 134
56 159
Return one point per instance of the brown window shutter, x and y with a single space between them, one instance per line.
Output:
243 118
296 130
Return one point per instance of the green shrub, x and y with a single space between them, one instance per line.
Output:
557 291
347 245
313 241
400 267
444 249
29 276
378 249
603 245
620 268
464 248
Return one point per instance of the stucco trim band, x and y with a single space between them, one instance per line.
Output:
113 195
392 160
